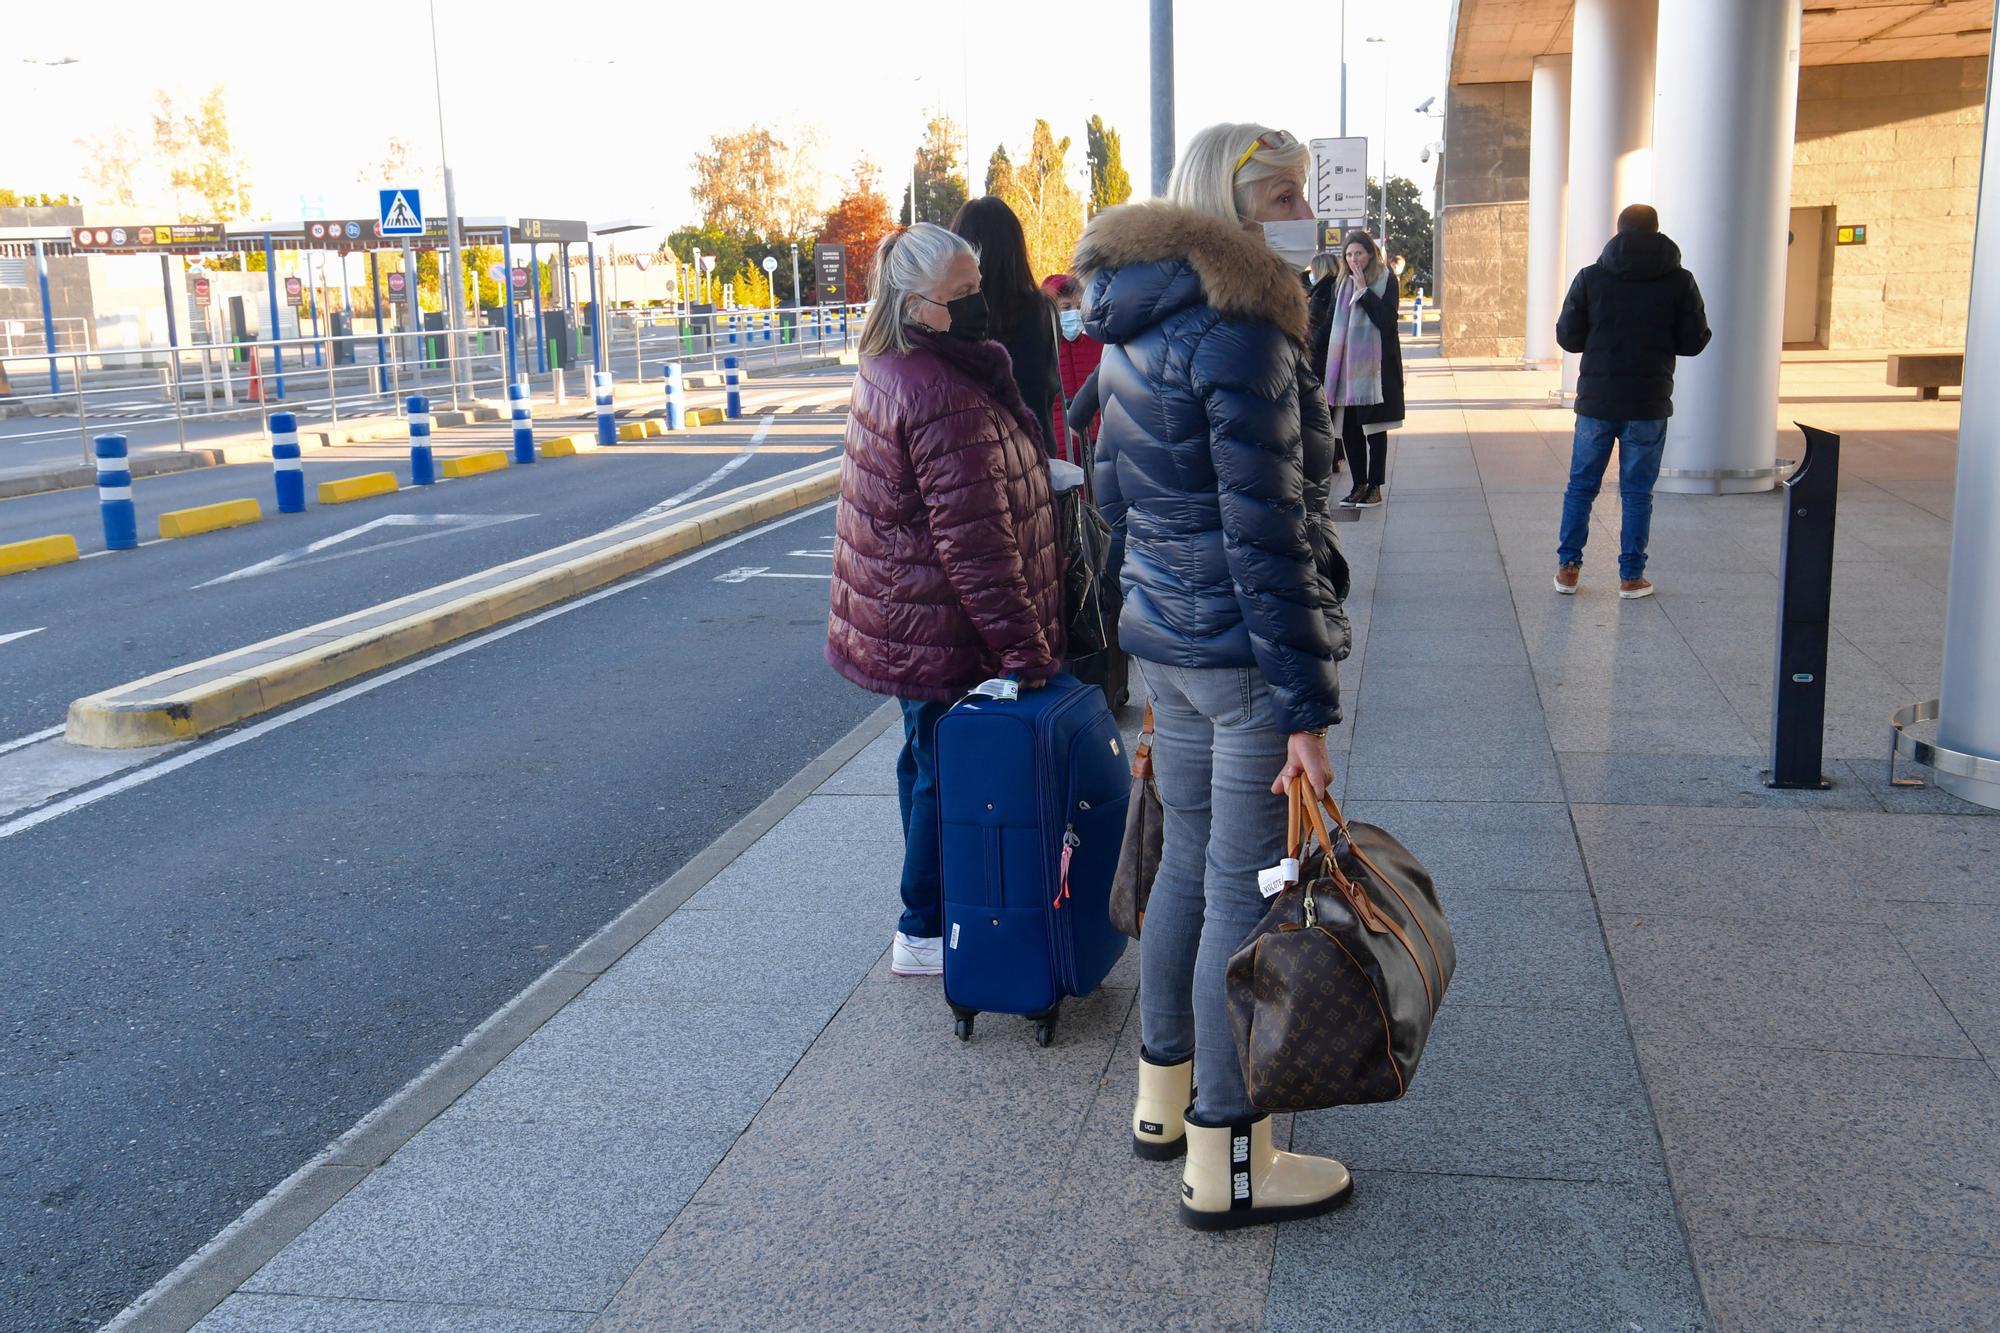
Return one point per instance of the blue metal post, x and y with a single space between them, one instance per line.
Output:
48 319
381 343
596 311
423 468
271 286
607 420
507 297
114 494
288 473
524 422
676 406
535 287
173 330
732 380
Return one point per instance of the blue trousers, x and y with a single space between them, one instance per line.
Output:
916 794
1640 444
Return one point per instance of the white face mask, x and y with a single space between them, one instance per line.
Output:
1072 323
1297 241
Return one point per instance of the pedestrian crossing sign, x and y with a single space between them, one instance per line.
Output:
402 213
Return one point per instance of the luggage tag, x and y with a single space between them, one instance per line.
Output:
1278 878
1006 691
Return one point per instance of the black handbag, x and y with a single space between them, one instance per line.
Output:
1086 545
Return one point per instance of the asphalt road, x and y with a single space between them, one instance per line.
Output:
208 977
116 617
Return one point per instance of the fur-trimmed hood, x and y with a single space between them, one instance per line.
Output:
1139 263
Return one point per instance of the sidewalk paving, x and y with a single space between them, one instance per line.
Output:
1715 1057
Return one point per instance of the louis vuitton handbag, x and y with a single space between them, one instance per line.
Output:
1145 833
1333 994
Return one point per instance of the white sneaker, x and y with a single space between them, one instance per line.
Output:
916 956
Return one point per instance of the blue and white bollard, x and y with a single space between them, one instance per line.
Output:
524 422
1420 315
607 420
114 494
676 405
732 330
732 386
288 472
768 323
423 468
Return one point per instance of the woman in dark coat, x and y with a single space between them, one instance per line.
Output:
1358 353
1215 463
946 569
1023 320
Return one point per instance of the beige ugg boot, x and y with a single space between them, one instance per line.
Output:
1235 1178
1159 1132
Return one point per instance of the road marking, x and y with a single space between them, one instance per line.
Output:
21 742
21 634
312 552
748 572
749 451
231 740
815 555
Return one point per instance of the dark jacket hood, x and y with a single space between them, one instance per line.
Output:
1141 263
1639 255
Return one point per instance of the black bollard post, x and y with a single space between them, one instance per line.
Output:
1805 613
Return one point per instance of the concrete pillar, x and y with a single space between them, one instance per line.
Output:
1548 198
1728 79
1610 125
1969 698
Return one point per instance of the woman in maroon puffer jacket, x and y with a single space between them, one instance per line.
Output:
946 568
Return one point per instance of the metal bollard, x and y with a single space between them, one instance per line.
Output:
114 494
732 383
607 421
1805 616
423 468
1420 315
288 473
732 330
524 422
676 406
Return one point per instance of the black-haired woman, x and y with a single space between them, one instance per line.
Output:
1019 317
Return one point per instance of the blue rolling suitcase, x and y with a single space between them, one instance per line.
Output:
1031 795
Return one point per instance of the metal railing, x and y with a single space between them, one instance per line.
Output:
25 337
78 394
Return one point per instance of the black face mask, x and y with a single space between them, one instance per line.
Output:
968 315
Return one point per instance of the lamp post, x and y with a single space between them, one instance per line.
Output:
1383 42
795 274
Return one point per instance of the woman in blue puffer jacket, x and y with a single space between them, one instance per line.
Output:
1215 463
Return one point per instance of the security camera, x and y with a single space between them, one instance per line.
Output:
1425 156
1426 105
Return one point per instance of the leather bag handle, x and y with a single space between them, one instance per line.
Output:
1142 756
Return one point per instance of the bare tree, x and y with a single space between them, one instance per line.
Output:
114 165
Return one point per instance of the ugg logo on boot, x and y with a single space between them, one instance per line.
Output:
1239 1185
1239 1148
1149 1127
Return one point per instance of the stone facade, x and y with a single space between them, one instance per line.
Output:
69 279
1483 234
1894 147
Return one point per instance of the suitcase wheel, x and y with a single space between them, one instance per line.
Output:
1045 1032
961 1022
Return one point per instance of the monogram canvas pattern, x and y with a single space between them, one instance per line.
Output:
1336 1013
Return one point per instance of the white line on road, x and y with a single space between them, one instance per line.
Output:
21 634
443 525
749 451
22 742
230 741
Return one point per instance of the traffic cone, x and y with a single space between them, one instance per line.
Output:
256 381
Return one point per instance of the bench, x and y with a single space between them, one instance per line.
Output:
1926 372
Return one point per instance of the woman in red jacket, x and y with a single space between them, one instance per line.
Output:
946 568
1077 355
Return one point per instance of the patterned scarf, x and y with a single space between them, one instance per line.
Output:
1354 347
988 366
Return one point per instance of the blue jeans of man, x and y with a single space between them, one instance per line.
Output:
1216 746
916 796
1640 444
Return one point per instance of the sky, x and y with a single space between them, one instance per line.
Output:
595 109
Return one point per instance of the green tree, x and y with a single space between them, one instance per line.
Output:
941 188
998 168
1409 234
1110 183
1041 195
202 170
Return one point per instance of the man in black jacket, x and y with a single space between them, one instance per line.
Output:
1630 314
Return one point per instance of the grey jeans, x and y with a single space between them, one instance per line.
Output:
1216 750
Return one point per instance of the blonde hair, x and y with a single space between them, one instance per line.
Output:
1208 180
1326 264
908 263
